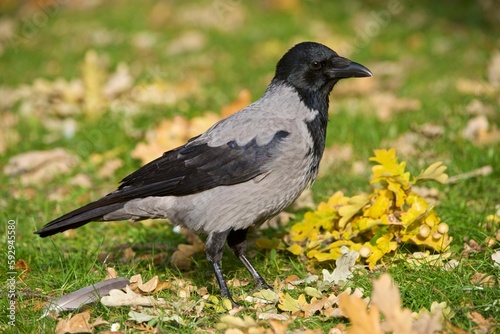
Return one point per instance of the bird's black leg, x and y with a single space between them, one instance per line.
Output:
214 248
236 240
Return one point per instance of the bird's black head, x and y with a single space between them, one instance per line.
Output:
314 68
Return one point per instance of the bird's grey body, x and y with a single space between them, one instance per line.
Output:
243 170
285 173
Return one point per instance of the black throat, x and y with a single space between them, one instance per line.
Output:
316 100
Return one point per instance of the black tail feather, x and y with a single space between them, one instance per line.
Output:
91 212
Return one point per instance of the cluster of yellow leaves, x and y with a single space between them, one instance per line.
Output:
374 224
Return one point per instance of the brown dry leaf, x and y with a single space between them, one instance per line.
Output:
483 280
386 297
477 107
386 104
471 247
278 326
430 130
164 93
111 273
79 323
494 69
407 144
363 321
357 87
81 180
479 132
189 41
316 305
182 257
474 87
219 14
138 286
109 168
244 99
118 83
38 167
22 266
484 326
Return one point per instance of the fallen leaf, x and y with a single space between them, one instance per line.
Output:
182 257
38 167
431 130
386 104
496 258
387 299
483 280
146 316
118 83
434 172
474 87
109 168
362 320
476 129
288 303
78 323
343 267
188 41
118 298
111 273
494 69
484 326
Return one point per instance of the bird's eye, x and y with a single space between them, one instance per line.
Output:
316 65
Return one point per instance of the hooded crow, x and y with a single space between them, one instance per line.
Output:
242 171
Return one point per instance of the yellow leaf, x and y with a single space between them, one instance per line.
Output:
288 303
313 292
399 192
418 209
266 243
375 256
434 172
353 207
382 202
385 243
389 167
296 249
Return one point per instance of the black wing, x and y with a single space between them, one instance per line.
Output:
198 167
186 170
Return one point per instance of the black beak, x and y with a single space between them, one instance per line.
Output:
352 70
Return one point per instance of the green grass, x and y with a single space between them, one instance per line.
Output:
437 45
